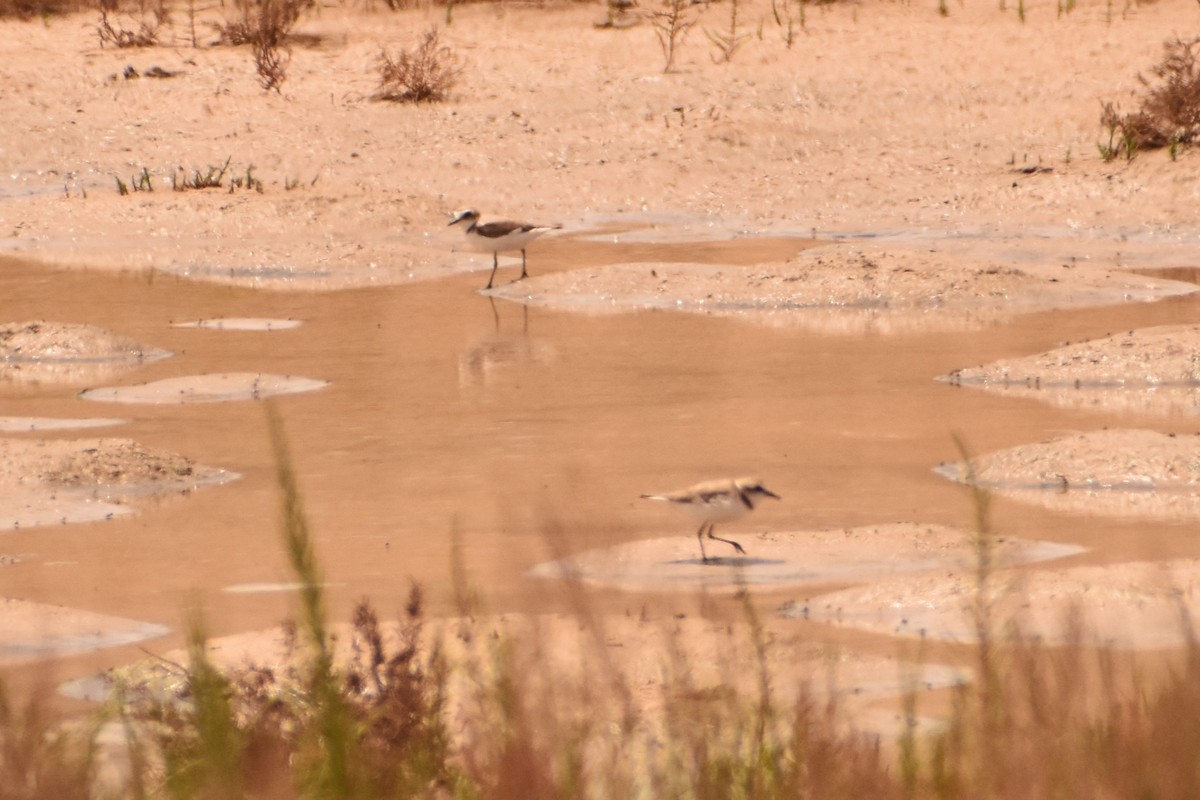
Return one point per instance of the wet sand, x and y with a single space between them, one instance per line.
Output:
518 434
508 433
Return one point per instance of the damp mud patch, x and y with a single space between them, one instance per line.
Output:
59 481
32 631
211 388
240 324
1146 370
1129 473
267 587
1138 605
374 258
35 424
64 353
789 559
252 276
843 289
557 653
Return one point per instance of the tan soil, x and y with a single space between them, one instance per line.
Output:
883 121
104 462
1129 606
62 353
557 121
56 481
1153 370
1115 472
58 341
1146 357
885 290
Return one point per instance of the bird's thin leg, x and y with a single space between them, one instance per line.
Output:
700 538
495 264
523 273
736 546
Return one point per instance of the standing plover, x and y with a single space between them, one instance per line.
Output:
717 501
502 236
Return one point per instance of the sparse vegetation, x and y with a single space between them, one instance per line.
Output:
268 41
247 181
788 21
671 24
144 35
1035 722
295 183
730 40
28 9
139 182
423 74
265 25
211 178
1169 112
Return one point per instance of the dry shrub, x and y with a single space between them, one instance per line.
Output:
144 35
253 730
265 25
28 9
424 74
1169 114
671 25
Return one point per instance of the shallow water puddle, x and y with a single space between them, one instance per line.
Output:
513 435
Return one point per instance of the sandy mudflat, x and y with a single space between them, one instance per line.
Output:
558 121
844 288
1133 605
1149 370
1137 473
786 559
59 481
948 166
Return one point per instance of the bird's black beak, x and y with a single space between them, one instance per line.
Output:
769 493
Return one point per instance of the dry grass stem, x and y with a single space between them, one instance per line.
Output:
671 25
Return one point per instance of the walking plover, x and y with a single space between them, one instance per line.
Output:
717 501
502 236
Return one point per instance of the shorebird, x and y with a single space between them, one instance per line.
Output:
717 501
502 236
